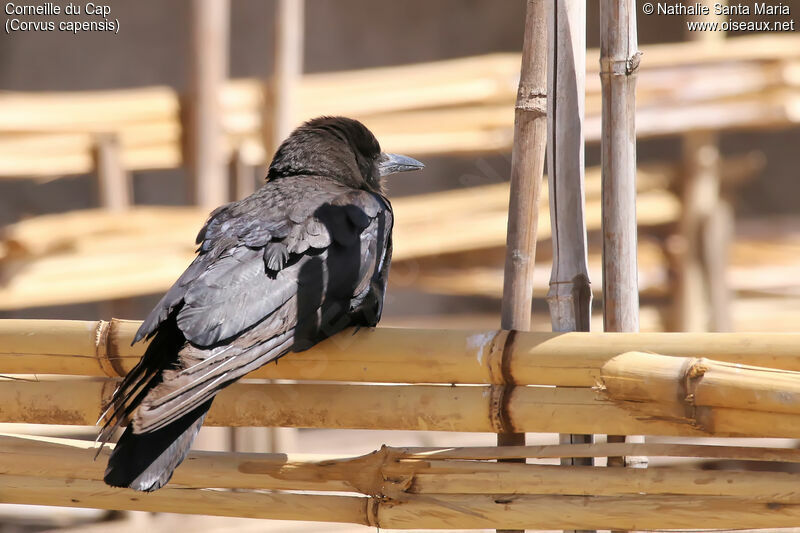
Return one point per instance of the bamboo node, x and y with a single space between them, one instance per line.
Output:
531 99
497 355
106 349
620 67
498 408
100 348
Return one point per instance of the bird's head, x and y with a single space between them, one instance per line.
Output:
339 148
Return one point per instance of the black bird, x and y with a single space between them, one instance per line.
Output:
301 259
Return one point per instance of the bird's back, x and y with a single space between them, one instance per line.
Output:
296 262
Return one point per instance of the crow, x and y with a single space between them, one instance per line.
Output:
301 259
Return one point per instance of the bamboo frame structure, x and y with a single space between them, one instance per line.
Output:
674 97
613 389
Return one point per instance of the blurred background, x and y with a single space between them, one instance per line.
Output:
115 145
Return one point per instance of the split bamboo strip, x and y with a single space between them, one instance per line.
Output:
570 296
411 407
388 473
602 449
99 348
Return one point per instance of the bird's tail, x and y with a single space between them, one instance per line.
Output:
146 461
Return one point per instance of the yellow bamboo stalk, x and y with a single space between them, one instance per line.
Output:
416 512
99 348
411 407
698 383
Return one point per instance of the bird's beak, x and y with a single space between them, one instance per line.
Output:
393 163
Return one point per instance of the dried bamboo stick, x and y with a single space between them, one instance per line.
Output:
387 472
96 494
99 348
633 512
412 407
415 512
602 449
527 168
65 458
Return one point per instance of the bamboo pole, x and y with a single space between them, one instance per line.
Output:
527 167
697 383
702 301
416 407
209 57
288 69
428 512
634 512
98 495
390 472
114 187
393 355
281 116
619 64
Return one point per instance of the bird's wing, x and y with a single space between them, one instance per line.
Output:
267 216
260 297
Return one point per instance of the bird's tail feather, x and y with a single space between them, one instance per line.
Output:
146 461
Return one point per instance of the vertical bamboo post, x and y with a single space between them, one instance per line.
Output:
527 167
114 193
702 301
113 183
619 64
280 118
210 20
570 295
205 147
289 31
